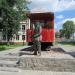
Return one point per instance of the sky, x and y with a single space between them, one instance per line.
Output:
63 10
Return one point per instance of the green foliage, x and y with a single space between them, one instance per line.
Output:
68 29
6 47
67 43
61 33
57 35
11 13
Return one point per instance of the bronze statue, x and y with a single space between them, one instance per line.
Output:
36 39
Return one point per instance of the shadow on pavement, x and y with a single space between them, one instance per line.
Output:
71 53
29 51
58 50
26 51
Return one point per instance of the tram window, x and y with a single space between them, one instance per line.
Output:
43 24
47 25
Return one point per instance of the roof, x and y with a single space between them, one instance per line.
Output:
41 16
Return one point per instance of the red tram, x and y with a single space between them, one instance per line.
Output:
46 21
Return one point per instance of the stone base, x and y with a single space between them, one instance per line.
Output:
61 62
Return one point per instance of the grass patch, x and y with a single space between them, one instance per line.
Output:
67 43
6 47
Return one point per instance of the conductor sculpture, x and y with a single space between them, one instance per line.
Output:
36 39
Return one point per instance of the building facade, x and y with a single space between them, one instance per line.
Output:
20 37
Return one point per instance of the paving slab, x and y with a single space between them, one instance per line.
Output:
53 60
9 69
30 72
67 48
4 63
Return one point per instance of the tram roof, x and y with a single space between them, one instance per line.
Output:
41 16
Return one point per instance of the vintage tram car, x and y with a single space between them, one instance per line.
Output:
46 21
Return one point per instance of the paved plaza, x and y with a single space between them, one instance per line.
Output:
9 58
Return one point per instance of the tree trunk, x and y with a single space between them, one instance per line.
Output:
73 37
23 42
8 39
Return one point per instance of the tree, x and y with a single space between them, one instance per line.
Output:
57 34
61 33
11 13
68 28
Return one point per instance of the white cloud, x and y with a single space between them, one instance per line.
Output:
53 5
60 16
63 5
38 10
41 5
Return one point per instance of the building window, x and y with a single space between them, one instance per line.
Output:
23 37
4 37
23 27
17 37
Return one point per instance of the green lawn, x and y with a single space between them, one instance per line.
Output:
67 43
6 47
